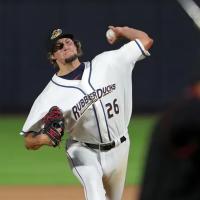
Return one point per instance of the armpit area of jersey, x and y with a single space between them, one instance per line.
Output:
75 74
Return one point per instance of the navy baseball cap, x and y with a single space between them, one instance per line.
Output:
55 36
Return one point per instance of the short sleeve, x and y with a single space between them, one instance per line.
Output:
33 121
133 51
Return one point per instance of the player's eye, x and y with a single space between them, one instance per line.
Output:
58 46
69 42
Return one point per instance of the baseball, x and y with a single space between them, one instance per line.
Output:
110 34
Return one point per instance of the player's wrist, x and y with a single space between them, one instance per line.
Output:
43 139
123 31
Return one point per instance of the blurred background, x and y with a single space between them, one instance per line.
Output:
24 71
26 25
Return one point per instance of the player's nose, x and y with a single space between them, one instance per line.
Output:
65 46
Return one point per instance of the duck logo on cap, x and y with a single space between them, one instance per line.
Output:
56 33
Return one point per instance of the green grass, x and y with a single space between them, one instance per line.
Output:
140 130
48 166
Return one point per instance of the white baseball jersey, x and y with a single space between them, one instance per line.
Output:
98 107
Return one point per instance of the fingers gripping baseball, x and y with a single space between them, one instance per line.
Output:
113 34
54 125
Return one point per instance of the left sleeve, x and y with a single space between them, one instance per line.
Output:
40 107
33 122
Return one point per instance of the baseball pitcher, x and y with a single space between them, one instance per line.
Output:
92 102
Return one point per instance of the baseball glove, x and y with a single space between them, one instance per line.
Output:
54 125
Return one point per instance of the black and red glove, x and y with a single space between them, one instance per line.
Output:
54 125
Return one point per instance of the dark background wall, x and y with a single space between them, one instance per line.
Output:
26 25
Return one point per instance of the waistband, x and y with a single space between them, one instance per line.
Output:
106 146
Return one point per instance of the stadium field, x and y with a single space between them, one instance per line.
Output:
48 166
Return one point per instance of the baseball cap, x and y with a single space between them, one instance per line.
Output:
55 36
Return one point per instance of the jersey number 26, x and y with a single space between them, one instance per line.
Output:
112 108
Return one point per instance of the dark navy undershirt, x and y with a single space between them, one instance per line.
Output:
75 74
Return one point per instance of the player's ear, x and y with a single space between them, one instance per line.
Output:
52 57
78 47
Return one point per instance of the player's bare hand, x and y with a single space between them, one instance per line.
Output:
118 31
114 36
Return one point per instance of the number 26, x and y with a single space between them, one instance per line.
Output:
112 108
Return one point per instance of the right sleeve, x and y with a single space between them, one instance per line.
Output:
132 52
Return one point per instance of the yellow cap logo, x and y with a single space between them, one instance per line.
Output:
56 33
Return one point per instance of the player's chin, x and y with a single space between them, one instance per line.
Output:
71 58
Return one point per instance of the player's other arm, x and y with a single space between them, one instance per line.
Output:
34 142
131 34
49 130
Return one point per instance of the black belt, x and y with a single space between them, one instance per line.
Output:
105 147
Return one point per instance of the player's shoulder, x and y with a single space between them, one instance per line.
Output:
121 52
105 56
116 50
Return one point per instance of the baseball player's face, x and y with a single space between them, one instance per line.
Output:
65 51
